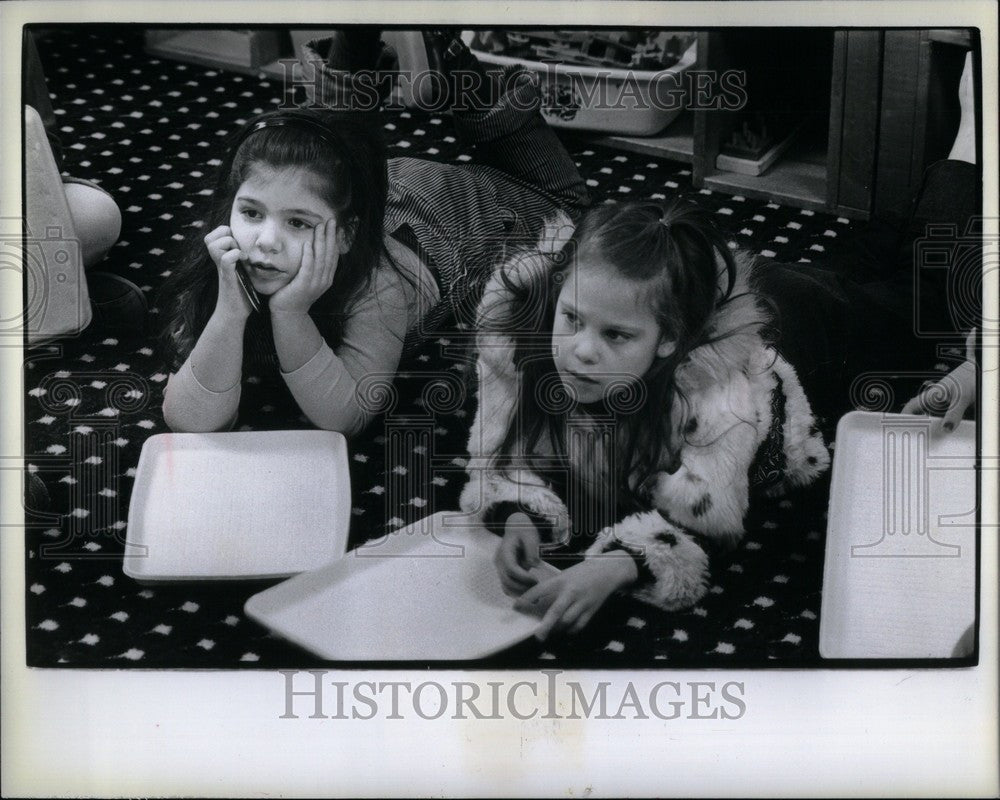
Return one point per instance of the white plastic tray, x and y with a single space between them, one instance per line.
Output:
899 576
216 506
426 592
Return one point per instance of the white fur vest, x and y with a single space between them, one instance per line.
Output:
744 407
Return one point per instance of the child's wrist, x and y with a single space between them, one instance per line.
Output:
518 519
230 314
626 571
288 313
630 563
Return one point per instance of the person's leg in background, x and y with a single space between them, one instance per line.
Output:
461 218
499 116
522 177
949 194
939 300
97 219
94 217
861 317
500 120
951 299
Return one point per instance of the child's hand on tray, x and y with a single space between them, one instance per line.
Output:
952 395
319 266
226 254
571 598
518 554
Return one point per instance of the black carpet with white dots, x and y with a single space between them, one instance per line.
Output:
151 132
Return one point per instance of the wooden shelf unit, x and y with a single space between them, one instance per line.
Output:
881 106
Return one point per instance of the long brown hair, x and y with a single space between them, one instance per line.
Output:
347 152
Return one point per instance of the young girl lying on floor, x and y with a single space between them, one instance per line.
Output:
632 399
347 251
625 378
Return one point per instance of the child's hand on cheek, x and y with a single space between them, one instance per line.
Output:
571 598
226 253
319 266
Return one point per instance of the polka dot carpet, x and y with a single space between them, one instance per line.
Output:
151 132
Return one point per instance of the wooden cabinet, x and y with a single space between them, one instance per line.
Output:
875 107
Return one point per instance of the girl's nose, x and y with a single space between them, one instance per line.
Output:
585 349
267 237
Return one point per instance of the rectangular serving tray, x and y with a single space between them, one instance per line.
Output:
899 576
426 592
244 505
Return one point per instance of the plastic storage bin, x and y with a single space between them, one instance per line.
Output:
621 101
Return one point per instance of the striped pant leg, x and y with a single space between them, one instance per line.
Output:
464 221
512 137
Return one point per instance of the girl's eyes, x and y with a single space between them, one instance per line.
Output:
254 215
611 335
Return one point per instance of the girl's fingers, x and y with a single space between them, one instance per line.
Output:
230 257
223 244
922 402
507 559
914 405
582 620
327 264
508 587
538 597
221 248
571 619
331 234
511 586
523 579
510 583
930 400
218 233
515 573
552 617
953 416
527 553
530 598
306 270
956 411
332 250
319 248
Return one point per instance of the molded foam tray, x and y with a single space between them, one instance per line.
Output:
223 506
426 592
899 578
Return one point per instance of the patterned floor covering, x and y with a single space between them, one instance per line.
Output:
150 131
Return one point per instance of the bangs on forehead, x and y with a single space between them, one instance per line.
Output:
644 292
270 150
319 186
315 181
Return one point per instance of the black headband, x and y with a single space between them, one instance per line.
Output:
303 123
